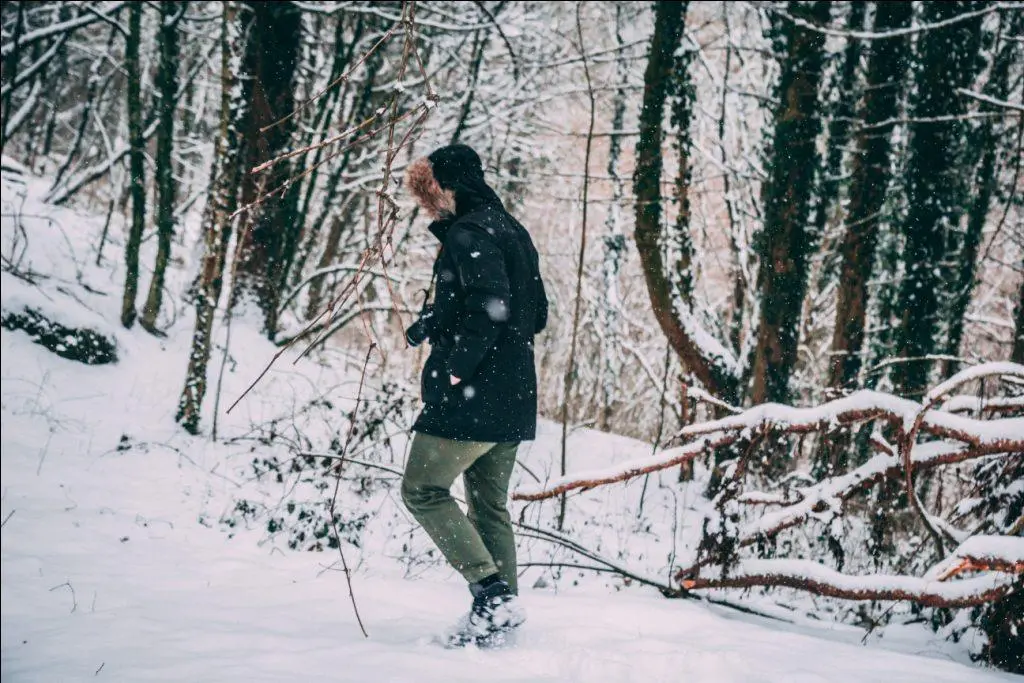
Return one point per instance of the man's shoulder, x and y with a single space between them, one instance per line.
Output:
476 227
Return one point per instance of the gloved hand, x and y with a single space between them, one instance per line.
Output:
420 330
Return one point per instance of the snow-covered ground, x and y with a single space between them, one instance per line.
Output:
108 575
114 565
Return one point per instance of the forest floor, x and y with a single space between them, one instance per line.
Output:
114 565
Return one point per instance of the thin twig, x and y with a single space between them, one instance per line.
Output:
340 79
337 486
570 368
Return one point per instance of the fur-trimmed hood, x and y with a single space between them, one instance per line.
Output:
449 182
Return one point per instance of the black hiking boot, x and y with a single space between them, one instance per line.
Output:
494 615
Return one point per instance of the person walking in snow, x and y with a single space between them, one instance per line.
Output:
479 384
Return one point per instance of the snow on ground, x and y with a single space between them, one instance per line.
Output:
108 575
114 566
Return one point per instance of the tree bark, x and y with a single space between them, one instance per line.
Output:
887 67
986 179
936 188
840 116
1017 355
332 111
785 242
269 231
167 85
614 244
221 204
671 313
136 167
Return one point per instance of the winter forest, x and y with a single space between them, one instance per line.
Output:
780 389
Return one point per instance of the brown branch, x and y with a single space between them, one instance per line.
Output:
832 584
337 486
862 406
907 440
818 498
982 564
678 457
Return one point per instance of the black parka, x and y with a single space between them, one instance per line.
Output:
489 303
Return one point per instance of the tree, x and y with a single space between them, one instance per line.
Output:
785 241
990 139
270 232
872 164
1017 355
171 12
614 242
708 360
221 203
937 189
840 116
136 164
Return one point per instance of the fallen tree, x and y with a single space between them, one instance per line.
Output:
910 438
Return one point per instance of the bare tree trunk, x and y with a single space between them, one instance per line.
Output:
10 71
222 201
1017 356
887 67
986 179
331 112
785 242
674 316
614 244
270 232
340 223
136 164
167 84
937 189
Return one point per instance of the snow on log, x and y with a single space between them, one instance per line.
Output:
865 405
985 436
980 553
1002 369
825 494
821 580
997 404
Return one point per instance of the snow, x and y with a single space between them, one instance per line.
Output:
973 373
806 570
1006 431
1008 549
157 596
865 402
114 565
966 403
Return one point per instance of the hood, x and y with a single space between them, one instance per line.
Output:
450 181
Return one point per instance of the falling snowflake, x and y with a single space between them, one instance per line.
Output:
497 310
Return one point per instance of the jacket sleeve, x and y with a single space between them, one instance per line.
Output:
481 270
542 305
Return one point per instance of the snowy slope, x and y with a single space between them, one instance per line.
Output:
114 566
108 575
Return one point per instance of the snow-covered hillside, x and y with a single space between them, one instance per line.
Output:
118 564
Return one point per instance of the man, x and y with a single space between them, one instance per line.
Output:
479 384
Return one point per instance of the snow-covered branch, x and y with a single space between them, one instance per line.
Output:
991 436
816 578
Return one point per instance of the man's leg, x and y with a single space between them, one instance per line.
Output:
426 490
487 498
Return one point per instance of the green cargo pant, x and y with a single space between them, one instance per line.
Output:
482 543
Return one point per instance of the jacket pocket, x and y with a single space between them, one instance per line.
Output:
434 381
